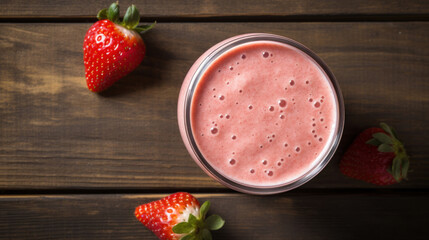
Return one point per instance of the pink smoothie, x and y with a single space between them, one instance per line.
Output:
263 114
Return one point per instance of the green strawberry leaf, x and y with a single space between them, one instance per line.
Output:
192 219
183 227
144 28
394 133
102 14
204 209
189 237
113 12
385 148
373 142
206 235
214 222
386 128
382 137
396 168
131 18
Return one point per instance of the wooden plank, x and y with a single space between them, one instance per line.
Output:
55 134
210 8
288 216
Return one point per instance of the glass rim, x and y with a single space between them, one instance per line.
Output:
225 46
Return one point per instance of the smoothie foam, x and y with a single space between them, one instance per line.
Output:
263 113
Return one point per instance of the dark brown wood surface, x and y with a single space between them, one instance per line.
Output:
55 134
286 216
215 8
74 164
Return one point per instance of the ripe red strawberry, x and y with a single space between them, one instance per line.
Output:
376 156
178 216
113 49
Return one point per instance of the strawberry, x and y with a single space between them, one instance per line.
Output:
113 49
178 216
376 156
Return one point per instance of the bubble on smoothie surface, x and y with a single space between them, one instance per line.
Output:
292 82
320 139
265 162
297 149
282 103
282 116
271 108
279 164
233 137
221 116
250 107
317 104
310 99
307 82
227 116
285 145
265 54
270 173
232 161
221 97
214 130
231 68
243 56
252 171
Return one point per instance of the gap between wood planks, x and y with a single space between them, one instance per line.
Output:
344 191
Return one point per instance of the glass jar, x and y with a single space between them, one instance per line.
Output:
187 95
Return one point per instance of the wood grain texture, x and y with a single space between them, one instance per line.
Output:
210 8
287 216
55 134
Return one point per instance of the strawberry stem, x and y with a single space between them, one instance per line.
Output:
131 19
198 228
390 143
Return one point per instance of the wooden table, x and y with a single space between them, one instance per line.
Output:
74 164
